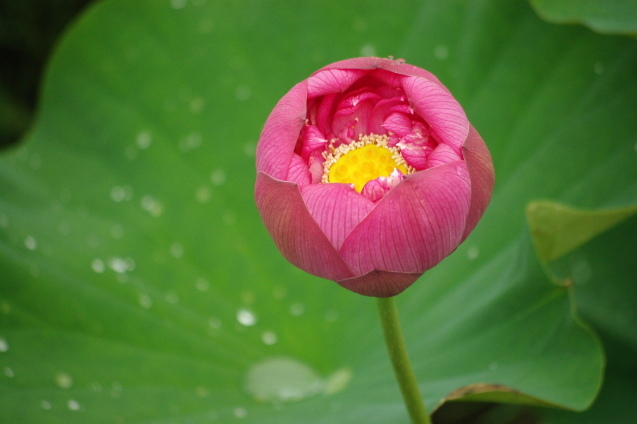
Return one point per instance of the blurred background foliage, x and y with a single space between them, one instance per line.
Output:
29 30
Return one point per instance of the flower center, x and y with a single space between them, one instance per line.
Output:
364 160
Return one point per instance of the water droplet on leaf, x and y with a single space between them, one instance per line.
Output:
246 317
63 380
282 379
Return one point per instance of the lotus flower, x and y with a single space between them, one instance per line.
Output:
369 174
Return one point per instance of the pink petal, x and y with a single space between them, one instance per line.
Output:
439 109
281 132
321 114
380 283
442 154
415 156
299 172
415 226
313 140
349 123
335 80
315 164
294 231
482 174
336 208
376 189
398 123
393 66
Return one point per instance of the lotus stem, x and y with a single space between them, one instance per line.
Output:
400 360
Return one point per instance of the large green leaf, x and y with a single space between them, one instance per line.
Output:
608 16
138 285
602 271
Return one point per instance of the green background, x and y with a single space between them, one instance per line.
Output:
138 285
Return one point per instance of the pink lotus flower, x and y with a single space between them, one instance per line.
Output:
369 174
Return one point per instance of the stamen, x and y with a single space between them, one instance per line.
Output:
361 161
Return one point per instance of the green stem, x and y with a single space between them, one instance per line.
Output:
400 360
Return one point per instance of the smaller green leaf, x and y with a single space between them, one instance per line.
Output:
607 16
558 229
594 251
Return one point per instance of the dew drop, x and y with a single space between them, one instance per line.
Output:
73 405
143 140
145 301
45 404
178 4
243 93
116 386
202 284
63 380
121 193
282 379
30 243
98 265
203 194
218 177
246 317
297 309
4 345
9 372
214 322
493 366
368 50
190 142
152 206
240 412
473 252
202 392
441 52
196 104
269 338
121 265
250 149
176 250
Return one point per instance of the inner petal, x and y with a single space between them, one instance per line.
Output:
359 162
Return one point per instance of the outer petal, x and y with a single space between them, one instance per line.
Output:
482 175
335 80
415 226
294 231
281 131
336 208
443 153
380 283
439 109
394 66
299 172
